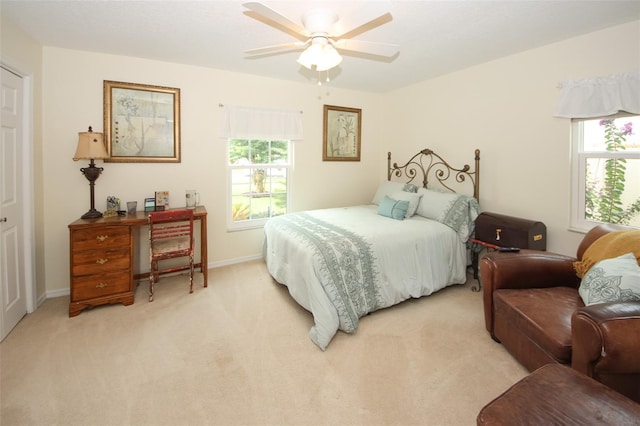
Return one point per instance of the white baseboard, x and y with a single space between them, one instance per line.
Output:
55 293
234 261
44 296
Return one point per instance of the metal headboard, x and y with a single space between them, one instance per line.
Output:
433 166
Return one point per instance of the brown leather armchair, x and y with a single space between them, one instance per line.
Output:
532 307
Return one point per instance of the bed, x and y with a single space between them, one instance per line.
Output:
343 263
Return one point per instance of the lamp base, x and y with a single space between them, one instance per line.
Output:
91 214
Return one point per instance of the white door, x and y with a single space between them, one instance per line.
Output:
13 298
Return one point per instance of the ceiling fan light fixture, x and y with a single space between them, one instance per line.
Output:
330 58
309 56
323 55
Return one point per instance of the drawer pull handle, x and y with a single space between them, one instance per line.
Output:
498 231
101 238
101 285
102 261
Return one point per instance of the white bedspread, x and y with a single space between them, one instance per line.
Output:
385 262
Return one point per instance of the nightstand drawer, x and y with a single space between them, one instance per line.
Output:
98 261
98 285
101 237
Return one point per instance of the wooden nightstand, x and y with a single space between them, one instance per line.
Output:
101 265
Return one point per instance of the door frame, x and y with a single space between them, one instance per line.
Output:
28 183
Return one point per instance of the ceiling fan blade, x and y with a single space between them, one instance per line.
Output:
276 48
367 17
276 17
368 47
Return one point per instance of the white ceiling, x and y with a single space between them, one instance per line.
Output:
435 37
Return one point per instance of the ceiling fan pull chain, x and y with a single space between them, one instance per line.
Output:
327 79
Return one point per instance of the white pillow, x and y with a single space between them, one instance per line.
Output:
387 188
435 204
412 198
612 280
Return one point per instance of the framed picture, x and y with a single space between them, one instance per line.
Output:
341 134
162 200
150 204
141 123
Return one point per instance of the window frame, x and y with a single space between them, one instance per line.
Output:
232 225
579 158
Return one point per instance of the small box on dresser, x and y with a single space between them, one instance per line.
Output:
101 264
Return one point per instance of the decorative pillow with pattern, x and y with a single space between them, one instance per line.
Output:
609 246
457 211
612 280
409 187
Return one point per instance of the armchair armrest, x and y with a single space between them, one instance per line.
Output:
606 344
525 269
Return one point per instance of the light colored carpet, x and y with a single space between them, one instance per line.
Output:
237 353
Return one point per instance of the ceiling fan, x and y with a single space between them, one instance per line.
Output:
323 34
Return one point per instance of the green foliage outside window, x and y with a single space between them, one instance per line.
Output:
258 151
603 196
259 178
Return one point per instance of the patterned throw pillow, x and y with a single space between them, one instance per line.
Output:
608 246
409 187
612 280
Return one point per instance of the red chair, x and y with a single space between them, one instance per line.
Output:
170 237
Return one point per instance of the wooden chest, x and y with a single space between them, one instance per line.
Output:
508 231
101 265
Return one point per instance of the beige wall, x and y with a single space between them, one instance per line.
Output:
505 108
23 55
73 100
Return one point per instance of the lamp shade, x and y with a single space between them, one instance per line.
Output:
321 54
310 56
330 58
90 147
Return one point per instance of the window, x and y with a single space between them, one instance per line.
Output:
259 181
606 171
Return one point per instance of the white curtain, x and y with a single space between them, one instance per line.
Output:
599 96
239 122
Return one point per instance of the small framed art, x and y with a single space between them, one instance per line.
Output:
162 200
150 204
141 123
341 133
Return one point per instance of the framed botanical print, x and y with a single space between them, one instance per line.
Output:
141 123
341 133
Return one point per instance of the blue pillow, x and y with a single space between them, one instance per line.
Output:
394 209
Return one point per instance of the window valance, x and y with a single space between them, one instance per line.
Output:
239 122
599 96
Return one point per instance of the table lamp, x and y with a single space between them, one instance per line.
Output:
91 147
